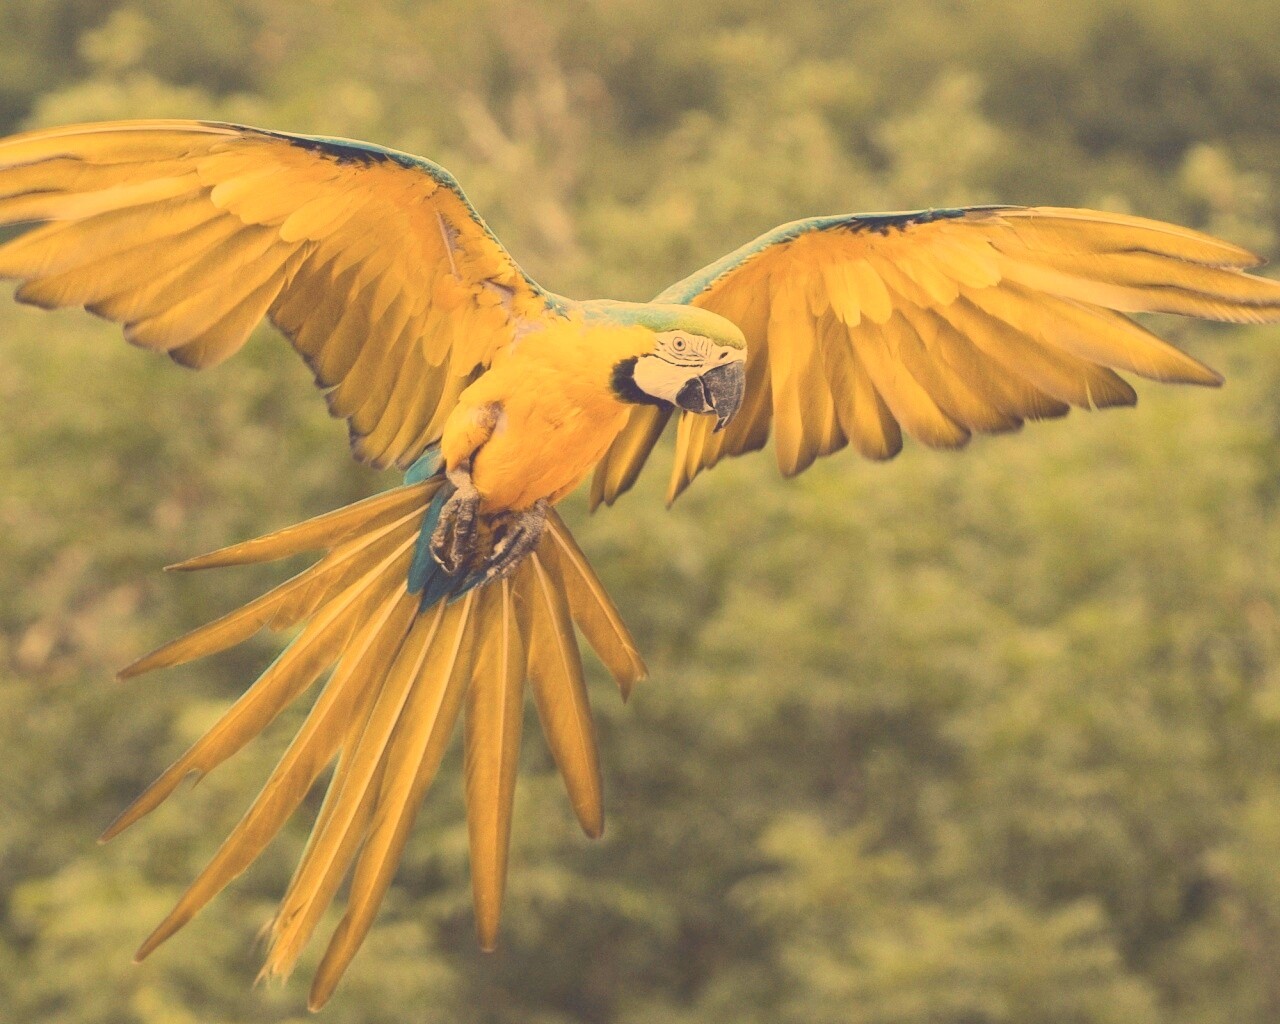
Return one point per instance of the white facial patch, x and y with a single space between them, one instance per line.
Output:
663 379
677 358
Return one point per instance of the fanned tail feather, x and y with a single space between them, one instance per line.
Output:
399 674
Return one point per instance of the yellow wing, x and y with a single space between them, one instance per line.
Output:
942 323
372 262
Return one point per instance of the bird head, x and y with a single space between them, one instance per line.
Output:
695 360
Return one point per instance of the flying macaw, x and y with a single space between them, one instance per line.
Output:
443 596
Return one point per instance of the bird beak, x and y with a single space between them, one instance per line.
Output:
717 391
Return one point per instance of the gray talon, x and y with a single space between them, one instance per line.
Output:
453 542
523 531
454 537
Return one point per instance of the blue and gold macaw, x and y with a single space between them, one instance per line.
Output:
446 595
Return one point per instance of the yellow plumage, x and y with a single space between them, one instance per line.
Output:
968 322
398 682
426 335
225 226
494 717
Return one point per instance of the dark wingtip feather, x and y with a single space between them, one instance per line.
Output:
1122 398
25 295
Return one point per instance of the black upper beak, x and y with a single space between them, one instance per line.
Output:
718 391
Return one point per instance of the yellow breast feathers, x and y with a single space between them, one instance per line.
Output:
556 414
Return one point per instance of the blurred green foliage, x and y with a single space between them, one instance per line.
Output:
990 738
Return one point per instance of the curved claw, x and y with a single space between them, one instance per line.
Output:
522 534
453 541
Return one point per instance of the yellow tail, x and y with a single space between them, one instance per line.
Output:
399 679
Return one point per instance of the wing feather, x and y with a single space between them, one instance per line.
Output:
150 295
839 373
1055 229
189 233
875 431
943 323
959 401
625 458
107 239
1003 325
908 402
186 319
225 338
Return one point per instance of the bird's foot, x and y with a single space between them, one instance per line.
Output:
453 541
518 536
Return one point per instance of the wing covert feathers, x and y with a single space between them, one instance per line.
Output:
395 681
188 234
943 324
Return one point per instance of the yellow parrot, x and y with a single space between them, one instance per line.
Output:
446 595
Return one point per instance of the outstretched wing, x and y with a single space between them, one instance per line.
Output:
942 323
371 262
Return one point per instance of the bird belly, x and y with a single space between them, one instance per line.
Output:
542 449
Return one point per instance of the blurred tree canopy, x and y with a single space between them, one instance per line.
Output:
990 738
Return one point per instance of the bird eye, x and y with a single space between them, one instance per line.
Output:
678 344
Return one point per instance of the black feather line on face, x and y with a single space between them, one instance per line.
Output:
623 383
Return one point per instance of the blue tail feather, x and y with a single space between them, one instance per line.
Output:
428 465
424 568
440 586
426 575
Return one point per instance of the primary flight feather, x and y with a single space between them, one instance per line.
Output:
441 598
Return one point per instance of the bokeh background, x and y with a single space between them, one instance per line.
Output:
987 738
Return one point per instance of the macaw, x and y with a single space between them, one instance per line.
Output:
445 595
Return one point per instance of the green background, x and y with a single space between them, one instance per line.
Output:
978 738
